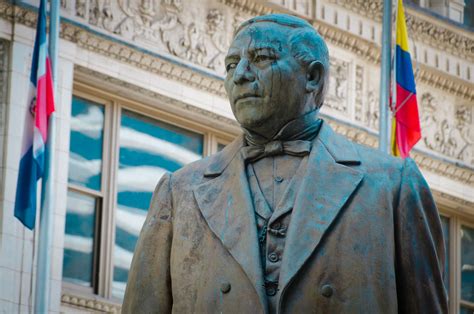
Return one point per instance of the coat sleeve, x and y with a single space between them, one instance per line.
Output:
149 282
420 252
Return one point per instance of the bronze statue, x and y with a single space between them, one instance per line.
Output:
290 217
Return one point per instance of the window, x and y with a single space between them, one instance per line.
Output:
469 13
459 271
148 148
118 152
85 193
445 227
467 269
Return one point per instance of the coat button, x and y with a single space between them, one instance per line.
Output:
273 257
278 179
271 291
225 287
327 291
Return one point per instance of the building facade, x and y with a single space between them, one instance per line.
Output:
140 92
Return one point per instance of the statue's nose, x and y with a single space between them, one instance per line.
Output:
243 72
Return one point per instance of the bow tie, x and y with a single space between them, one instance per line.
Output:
273 148
294 139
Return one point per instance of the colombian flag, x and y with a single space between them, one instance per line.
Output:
406 131
41 106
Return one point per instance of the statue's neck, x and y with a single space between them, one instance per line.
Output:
296 129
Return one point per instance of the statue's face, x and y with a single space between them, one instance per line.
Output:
264 82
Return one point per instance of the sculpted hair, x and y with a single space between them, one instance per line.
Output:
305 44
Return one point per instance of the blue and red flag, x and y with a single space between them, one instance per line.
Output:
406 130
41 106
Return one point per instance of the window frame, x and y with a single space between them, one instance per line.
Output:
104 240
100 196
467 304
456 220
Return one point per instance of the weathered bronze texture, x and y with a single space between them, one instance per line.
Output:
290 217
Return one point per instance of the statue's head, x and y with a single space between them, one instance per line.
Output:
277 70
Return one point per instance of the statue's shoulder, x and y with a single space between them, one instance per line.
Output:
372 158
346 151
209 166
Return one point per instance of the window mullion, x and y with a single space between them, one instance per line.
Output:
452 234
107 221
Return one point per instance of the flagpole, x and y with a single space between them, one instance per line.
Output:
385 75
42 291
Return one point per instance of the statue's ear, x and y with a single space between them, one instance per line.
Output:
315 76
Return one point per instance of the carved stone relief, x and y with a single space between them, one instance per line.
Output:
371 112
420 27
197 33
337 97
359 89
447 128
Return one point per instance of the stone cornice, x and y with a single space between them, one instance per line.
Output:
142 59
421 26
89 303
444 82
361 47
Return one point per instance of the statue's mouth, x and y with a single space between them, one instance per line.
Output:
246 96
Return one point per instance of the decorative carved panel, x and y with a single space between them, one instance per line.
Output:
359 89
447 128
371 110
338 93
420 26
197 32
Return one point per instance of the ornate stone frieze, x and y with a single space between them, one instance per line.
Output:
90 304
420 26
337 96
142 60
198 34
359 89
448 130
371 109
443 168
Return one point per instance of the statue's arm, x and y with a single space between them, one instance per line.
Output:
149 282
420 252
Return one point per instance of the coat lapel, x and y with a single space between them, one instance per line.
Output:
326 186
226 205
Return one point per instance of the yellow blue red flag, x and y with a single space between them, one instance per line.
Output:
406 130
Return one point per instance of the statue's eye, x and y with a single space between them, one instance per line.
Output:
262 58
230 66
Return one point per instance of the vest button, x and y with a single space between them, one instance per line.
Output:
327 291
278 179
225 287
273 257
271 291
